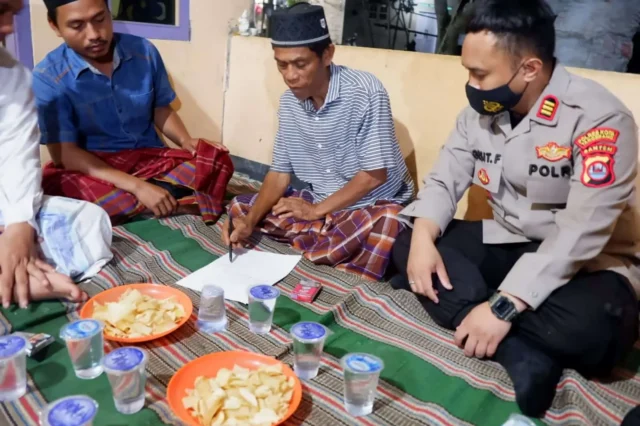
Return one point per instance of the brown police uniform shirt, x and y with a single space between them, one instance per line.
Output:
563 176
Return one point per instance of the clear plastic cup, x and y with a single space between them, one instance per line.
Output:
76 410
262 303
125 369
308 343
13 367
85 345
361 374
212 314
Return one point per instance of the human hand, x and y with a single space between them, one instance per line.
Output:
191 145
296 208
480 332
424 261
242 230
38 271
156 199
16 252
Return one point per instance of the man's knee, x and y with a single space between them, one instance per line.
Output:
77 235
592 322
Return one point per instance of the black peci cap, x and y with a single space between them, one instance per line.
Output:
54 4
299 25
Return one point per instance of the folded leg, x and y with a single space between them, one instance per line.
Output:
75 237
357 241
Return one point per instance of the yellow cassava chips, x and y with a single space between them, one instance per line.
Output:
138 315
241 397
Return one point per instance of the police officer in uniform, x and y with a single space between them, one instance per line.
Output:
552 281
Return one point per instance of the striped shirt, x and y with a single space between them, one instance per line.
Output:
353 131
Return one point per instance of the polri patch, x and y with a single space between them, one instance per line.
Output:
548 108
553 152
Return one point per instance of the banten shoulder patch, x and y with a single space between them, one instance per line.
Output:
599 134
548 108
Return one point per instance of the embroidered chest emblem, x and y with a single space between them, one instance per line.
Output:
553 152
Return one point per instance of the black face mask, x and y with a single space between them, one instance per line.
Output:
494 101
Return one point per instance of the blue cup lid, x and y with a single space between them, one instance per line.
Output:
308 330
362 363
264 292
11 345
124 359
81 329
72 411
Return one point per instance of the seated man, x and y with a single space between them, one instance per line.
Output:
99 96
549 283
336 134
74 236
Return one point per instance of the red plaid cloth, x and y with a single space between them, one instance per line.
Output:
207 174
356 241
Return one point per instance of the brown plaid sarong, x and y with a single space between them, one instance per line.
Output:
357 241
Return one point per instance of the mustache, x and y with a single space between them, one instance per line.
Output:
98 43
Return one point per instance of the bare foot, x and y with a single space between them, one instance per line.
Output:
62 287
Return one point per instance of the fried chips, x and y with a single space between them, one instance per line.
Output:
138 315
241 397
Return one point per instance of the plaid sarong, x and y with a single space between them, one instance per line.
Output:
356 241
207 174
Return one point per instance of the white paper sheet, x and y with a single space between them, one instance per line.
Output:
249 268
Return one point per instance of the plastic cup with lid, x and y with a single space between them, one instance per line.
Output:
13 367
361 375
75 410
125 369
308 343
84 342
262 303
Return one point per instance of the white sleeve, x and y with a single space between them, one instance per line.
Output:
20 168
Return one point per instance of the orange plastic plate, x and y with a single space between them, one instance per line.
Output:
157 291
209 365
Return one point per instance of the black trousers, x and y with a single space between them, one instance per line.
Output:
589 324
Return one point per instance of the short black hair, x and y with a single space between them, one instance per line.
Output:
519 25
319 47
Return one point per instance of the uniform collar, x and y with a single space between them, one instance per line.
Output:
545 110
333 93
78 64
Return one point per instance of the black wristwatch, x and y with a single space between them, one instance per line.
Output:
502 307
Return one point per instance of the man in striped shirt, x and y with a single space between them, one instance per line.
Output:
336 134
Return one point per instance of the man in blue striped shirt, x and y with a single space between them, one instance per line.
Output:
336 134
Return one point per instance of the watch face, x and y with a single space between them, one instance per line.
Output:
503 307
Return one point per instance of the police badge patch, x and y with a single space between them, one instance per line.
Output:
597 170
597 149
